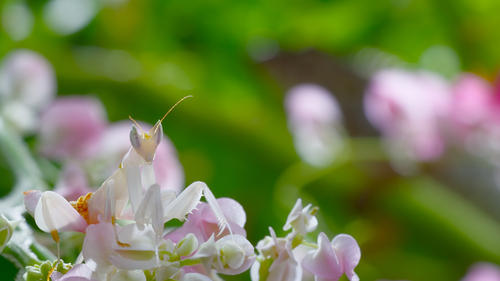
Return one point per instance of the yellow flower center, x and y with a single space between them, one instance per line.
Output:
81 206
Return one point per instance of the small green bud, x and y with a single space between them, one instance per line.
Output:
40 272
6 230
232 255
187 246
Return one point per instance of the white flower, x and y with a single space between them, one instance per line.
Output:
232 254
301 220
276 261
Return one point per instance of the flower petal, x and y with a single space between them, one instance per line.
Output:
323 262
53 212
349 254
31 198
99 243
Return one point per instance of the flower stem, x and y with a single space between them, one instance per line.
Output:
41 252
19 256
309 244
22 164
187 262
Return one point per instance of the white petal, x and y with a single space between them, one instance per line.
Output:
195 277
130 260
53 212
128 275
254 271
294 213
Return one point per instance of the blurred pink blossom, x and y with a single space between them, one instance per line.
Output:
472 105
408 108
315 121
483 272
72 182
71 126
203 223
27 85
331 260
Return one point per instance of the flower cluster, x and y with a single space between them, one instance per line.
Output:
123 222
420 114
293 258
120 186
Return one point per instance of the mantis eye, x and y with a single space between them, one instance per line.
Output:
134 138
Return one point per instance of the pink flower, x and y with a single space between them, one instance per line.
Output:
483 272
331 260
70 127
27 85
203 223
315 121
407 107
472 104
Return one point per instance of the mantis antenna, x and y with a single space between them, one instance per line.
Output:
173 106
161 120
136 123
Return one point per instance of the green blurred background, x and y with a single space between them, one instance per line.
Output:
238 58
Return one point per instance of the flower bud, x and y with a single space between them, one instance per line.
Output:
40 272
236 254
6 230
302 220
187 246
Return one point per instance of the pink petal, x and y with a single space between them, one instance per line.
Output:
323 262
28 77
310 103
31 198
202 222
348 253
79 272
71 127
73 182
410 107
233 211
99 243
483 272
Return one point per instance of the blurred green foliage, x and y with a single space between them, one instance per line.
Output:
233 134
